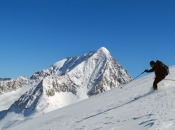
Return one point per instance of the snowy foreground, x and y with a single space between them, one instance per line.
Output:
135 107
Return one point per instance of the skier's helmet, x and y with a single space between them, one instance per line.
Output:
152 62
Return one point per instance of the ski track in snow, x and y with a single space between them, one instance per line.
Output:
137 106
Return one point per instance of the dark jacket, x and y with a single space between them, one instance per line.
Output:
158 71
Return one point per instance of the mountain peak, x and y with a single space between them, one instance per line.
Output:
104 50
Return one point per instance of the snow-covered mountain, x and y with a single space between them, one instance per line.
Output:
4 79
65 82
8 85
135 107
71 80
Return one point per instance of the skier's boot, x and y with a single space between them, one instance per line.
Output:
155 88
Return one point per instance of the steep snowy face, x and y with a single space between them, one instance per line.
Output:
7 84
71 80
96 72
45 97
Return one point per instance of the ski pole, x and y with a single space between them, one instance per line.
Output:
138 76
133 79
169 79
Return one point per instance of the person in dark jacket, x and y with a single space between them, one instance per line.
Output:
159 74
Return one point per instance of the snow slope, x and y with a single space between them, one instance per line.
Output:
136 106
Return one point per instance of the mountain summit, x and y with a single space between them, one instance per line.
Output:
71 80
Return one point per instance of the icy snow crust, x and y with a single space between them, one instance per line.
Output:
135 107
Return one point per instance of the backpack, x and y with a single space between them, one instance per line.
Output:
164 68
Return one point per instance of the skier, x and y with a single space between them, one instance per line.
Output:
161 71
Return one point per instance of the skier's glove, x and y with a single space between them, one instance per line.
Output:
146 70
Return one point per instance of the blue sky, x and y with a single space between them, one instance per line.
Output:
34 34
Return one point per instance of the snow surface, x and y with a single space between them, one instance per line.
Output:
135 107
